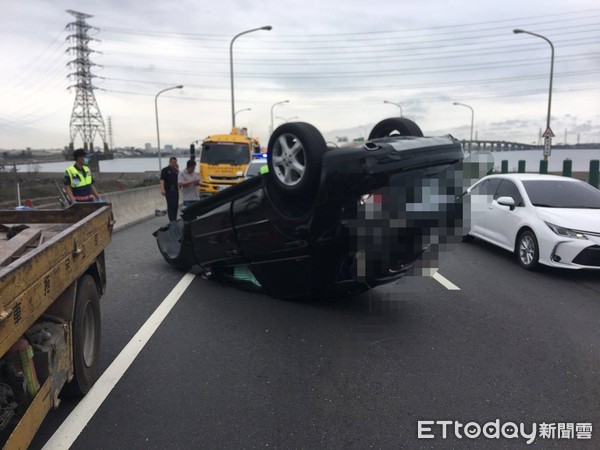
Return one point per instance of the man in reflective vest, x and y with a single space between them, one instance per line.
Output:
78 180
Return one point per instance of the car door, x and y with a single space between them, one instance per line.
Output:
260 231
502 222
480 198
213 238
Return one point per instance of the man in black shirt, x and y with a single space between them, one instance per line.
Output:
169 187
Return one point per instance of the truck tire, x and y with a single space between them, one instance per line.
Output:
86 337
295 157
396 126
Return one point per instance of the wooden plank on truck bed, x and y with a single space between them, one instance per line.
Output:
17 244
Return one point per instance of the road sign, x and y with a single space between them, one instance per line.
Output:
548 133
547 146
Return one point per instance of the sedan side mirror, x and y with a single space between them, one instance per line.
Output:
506 201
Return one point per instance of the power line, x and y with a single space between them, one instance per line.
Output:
375 73
523 93
432 54
561 17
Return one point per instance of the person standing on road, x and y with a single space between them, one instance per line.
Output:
169 188
79 184
189 180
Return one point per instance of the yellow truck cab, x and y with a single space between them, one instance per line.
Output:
224 159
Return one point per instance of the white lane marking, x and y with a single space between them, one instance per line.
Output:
445 282
74 424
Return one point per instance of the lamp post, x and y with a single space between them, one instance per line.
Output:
395 104
548 133
274 105
242 110
286 120
156 112
267 28
472 119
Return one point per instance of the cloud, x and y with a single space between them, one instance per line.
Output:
335 64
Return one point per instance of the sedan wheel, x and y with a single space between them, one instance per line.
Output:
289 161
396 126
527 250
295 157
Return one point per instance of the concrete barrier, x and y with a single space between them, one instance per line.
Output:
134 205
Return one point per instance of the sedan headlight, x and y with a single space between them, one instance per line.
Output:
561 231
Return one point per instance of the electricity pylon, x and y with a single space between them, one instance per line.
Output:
86 119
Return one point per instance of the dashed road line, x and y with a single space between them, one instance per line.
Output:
445 282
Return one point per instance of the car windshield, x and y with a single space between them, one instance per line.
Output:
223 153
562 194
254 168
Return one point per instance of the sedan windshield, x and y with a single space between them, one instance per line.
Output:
223 153
254 168
562 194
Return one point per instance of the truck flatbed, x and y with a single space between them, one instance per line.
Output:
52 272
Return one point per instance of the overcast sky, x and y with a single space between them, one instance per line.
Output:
335 61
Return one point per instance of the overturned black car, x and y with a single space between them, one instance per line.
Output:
325 220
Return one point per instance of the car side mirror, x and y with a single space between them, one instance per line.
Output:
506 201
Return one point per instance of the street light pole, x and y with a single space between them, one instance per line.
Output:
395 104
274 105
242 110
267 28
156 112
472 120
548 130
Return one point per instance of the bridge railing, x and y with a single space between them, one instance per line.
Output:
567 170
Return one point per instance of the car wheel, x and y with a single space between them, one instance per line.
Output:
396 126
86 338
527 250
295 157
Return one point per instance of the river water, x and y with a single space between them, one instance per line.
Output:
118 165
581 162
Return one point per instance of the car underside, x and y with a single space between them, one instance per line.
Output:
326 221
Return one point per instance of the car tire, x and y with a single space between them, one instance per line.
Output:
527 250
295 157
86 338
396 126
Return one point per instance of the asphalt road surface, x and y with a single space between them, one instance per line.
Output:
232 369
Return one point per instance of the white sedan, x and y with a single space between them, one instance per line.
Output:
254 167
544 219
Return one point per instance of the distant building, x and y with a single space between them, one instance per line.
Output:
148 146
168 148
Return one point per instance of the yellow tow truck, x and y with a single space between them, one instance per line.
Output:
224 159
52 275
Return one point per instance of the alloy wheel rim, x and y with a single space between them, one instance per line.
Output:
527 250
289 159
